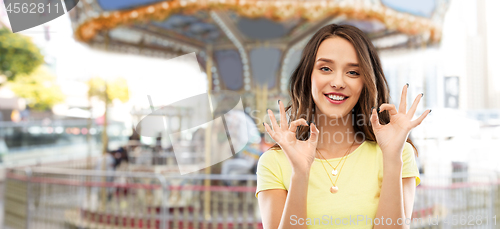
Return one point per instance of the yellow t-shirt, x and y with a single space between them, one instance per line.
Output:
360 182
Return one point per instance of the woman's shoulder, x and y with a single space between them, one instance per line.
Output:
373 146
273 154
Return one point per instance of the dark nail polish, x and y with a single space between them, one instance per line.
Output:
263 124
278 102
378 110
373 108
422 94
430 111
308 123
407 85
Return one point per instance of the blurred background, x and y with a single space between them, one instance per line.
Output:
73 90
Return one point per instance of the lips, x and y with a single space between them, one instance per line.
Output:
336 98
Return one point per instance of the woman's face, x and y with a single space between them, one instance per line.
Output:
336 79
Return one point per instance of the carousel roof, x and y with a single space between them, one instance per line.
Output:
249 37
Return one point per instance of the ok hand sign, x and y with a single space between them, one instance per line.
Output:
299 153
392 137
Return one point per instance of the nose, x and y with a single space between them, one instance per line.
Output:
337 81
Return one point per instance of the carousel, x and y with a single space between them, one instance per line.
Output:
249 47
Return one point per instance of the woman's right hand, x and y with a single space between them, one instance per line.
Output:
299 153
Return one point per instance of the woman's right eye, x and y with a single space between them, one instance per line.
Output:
324 68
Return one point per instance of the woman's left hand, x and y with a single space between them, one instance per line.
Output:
392 136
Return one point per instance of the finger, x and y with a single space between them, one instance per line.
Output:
283 121
402 103
374 118
389 107
413 107
274 124
270 131
313 138
419 120
296 123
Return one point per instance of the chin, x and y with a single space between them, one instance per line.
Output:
335 113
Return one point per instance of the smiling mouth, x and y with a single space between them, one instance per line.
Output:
336 97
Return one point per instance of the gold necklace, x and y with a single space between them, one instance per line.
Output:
334 189
334 171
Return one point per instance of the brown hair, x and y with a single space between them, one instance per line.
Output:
375 91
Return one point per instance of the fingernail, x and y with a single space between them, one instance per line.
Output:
308 123
278 102
373 108
263 124
407 85
422 94
430 111
378 110
267 109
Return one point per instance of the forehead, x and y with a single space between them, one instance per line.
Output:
337 49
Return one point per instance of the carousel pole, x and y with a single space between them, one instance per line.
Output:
208 139
261 96
104 197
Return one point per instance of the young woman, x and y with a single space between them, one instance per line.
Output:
343 158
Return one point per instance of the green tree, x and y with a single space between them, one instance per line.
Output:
116 89
18 54
38 88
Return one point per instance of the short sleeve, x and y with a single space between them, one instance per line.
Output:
410 168
268 173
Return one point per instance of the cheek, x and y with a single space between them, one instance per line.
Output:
357 87
315 85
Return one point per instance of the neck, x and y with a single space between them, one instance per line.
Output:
336 135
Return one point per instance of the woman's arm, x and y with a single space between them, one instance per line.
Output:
280 209
300 154
391 139
396 197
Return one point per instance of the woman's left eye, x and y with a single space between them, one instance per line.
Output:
353 73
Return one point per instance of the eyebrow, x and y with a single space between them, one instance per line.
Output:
331 61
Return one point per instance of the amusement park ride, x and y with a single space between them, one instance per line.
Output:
249 46
246 46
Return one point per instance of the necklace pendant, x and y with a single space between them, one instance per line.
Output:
334 172
334 189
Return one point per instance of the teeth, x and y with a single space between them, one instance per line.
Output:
336 97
